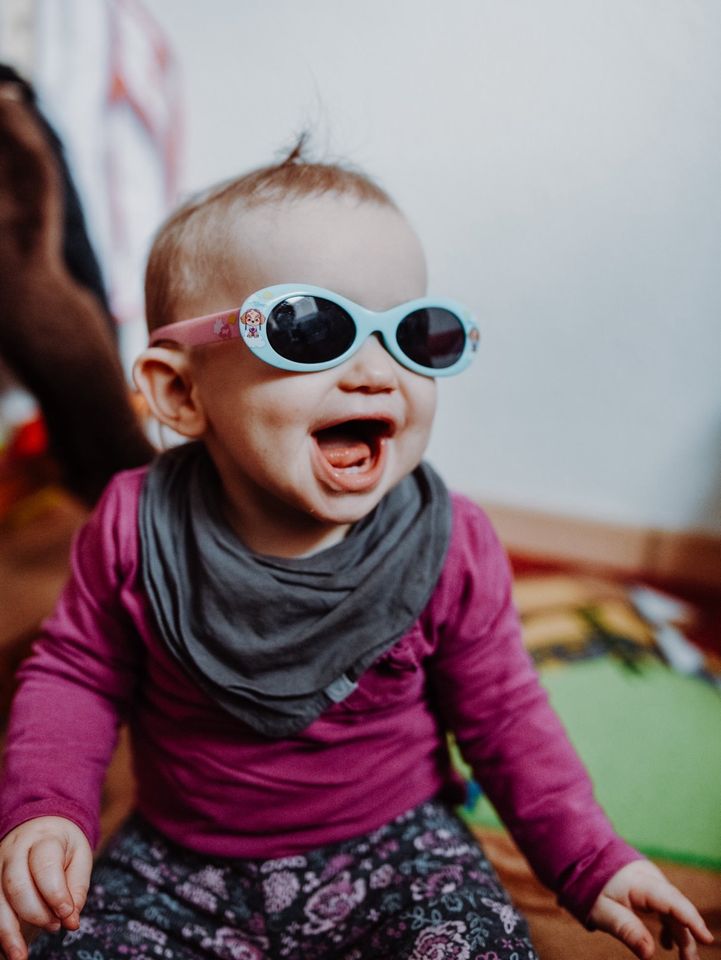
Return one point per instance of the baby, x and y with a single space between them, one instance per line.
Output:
291 612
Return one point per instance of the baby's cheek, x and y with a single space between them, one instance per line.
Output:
426 411
427 398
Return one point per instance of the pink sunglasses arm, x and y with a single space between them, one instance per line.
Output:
194 333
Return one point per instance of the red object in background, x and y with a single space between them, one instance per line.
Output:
29 440
25 465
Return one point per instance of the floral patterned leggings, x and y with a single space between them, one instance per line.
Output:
418 888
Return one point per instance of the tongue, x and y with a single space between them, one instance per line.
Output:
343 449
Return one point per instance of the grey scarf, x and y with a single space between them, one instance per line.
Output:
277 640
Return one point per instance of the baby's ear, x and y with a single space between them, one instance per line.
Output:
164 377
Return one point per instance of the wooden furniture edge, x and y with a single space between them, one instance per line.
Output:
688 556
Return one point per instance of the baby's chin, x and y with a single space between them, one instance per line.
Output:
343 513
344 509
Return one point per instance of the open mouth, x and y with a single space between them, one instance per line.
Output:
353 451
353 444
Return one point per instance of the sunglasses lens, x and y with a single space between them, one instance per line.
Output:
310 329
432 337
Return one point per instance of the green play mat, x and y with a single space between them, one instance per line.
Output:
652 742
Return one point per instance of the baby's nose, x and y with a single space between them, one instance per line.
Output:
371 369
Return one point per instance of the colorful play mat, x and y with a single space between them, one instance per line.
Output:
641 702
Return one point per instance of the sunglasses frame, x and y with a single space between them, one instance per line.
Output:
247 323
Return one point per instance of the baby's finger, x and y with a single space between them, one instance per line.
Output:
687 948
626 926
674 932
23 897
12 942
671 902
77 876
47 868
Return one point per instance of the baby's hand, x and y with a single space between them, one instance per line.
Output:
45 866
641 887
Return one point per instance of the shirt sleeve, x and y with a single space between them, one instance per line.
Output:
73 689
490 697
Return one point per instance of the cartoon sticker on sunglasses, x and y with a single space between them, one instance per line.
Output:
252 321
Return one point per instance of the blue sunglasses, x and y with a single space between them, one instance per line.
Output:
304 328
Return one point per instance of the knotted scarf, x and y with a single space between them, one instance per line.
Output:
276 640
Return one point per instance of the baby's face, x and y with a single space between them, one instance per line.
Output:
325 446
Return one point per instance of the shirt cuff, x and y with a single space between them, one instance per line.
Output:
51 808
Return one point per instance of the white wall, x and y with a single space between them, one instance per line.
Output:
561 161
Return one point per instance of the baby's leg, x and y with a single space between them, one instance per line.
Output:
452 903
150 899
417 888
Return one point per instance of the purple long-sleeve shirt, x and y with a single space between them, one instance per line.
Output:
211 783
